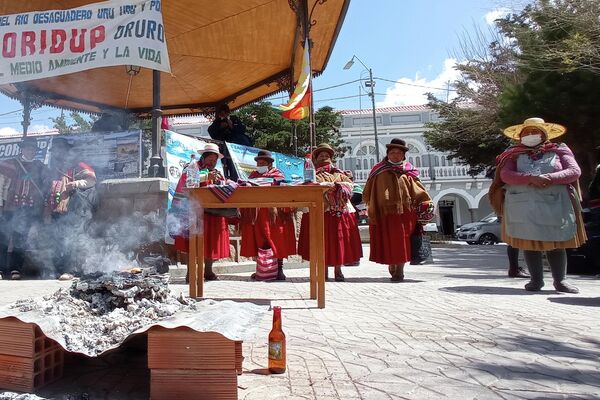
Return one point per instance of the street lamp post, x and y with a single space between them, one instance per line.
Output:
370 84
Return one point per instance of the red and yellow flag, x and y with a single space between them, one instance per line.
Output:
298 106
302 109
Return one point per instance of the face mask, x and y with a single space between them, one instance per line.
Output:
262 169
396 163
27 159
531 140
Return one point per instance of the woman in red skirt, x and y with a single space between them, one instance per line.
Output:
216 231
342 239
397 203
268 227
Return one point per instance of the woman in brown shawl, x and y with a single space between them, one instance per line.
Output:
342 239
397 202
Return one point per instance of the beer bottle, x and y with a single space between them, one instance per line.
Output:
276 344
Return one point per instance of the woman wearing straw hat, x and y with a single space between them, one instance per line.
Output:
268 228
396 202
535 190
216 231
342 239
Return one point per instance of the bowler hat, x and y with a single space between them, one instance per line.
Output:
323 147
28 142
60 142
265 155
398 144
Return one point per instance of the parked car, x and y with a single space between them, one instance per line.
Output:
430 227
485 231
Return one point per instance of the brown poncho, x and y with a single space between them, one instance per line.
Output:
390 192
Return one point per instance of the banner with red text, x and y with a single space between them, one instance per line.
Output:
41 44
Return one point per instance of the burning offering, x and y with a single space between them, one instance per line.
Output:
99 311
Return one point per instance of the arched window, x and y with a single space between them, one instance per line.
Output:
418 162
443 161
365 157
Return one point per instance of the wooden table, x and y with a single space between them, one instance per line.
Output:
310 196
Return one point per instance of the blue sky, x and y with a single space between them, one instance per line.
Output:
411 42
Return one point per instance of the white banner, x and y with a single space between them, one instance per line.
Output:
42 44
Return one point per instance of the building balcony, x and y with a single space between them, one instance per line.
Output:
447 173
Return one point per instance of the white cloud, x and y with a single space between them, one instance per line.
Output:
10 131
407 91
493 15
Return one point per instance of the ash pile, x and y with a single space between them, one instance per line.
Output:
99 311
125 289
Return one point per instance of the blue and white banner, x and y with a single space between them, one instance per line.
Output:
113 155
243 159
9 147
179 150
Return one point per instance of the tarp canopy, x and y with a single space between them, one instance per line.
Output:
221 51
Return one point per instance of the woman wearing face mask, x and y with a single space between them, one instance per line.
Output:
535 190
397 202
342 239
268 227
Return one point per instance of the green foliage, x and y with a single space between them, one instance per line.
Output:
468 127
273 132
545 63
77 124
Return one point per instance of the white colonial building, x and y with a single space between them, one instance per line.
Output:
459 198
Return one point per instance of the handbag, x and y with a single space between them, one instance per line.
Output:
266 265
420 247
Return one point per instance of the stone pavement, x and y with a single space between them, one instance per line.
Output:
457 329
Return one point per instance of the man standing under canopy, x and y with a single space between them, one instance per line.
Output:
21 205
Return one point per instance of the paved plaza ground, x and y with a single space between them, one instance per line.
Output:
457 329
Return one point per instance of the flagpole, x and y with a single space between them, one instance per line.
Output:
308 42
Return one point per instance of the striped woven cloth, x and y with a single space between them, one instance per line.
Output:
223 192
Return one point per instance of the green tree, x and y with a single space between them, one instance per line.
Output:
273 132
469 127
544 63
559 55
77 124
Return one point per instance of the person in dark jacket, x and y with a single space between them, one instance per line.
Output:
594 188
228 128
21 205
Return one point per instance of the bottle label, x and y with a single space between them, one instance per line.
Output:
275 350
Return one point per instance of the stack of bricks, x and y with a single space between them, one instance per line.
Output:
28 359
186 364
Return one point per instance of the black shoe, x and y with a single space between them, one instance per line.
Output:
565 287
340 278
280 275
534 286
517 273
210 276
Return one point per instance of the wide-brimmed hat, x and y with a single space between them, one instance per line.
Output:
397 144
211 148
265 155
323 147
60 142
551 130
28 142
